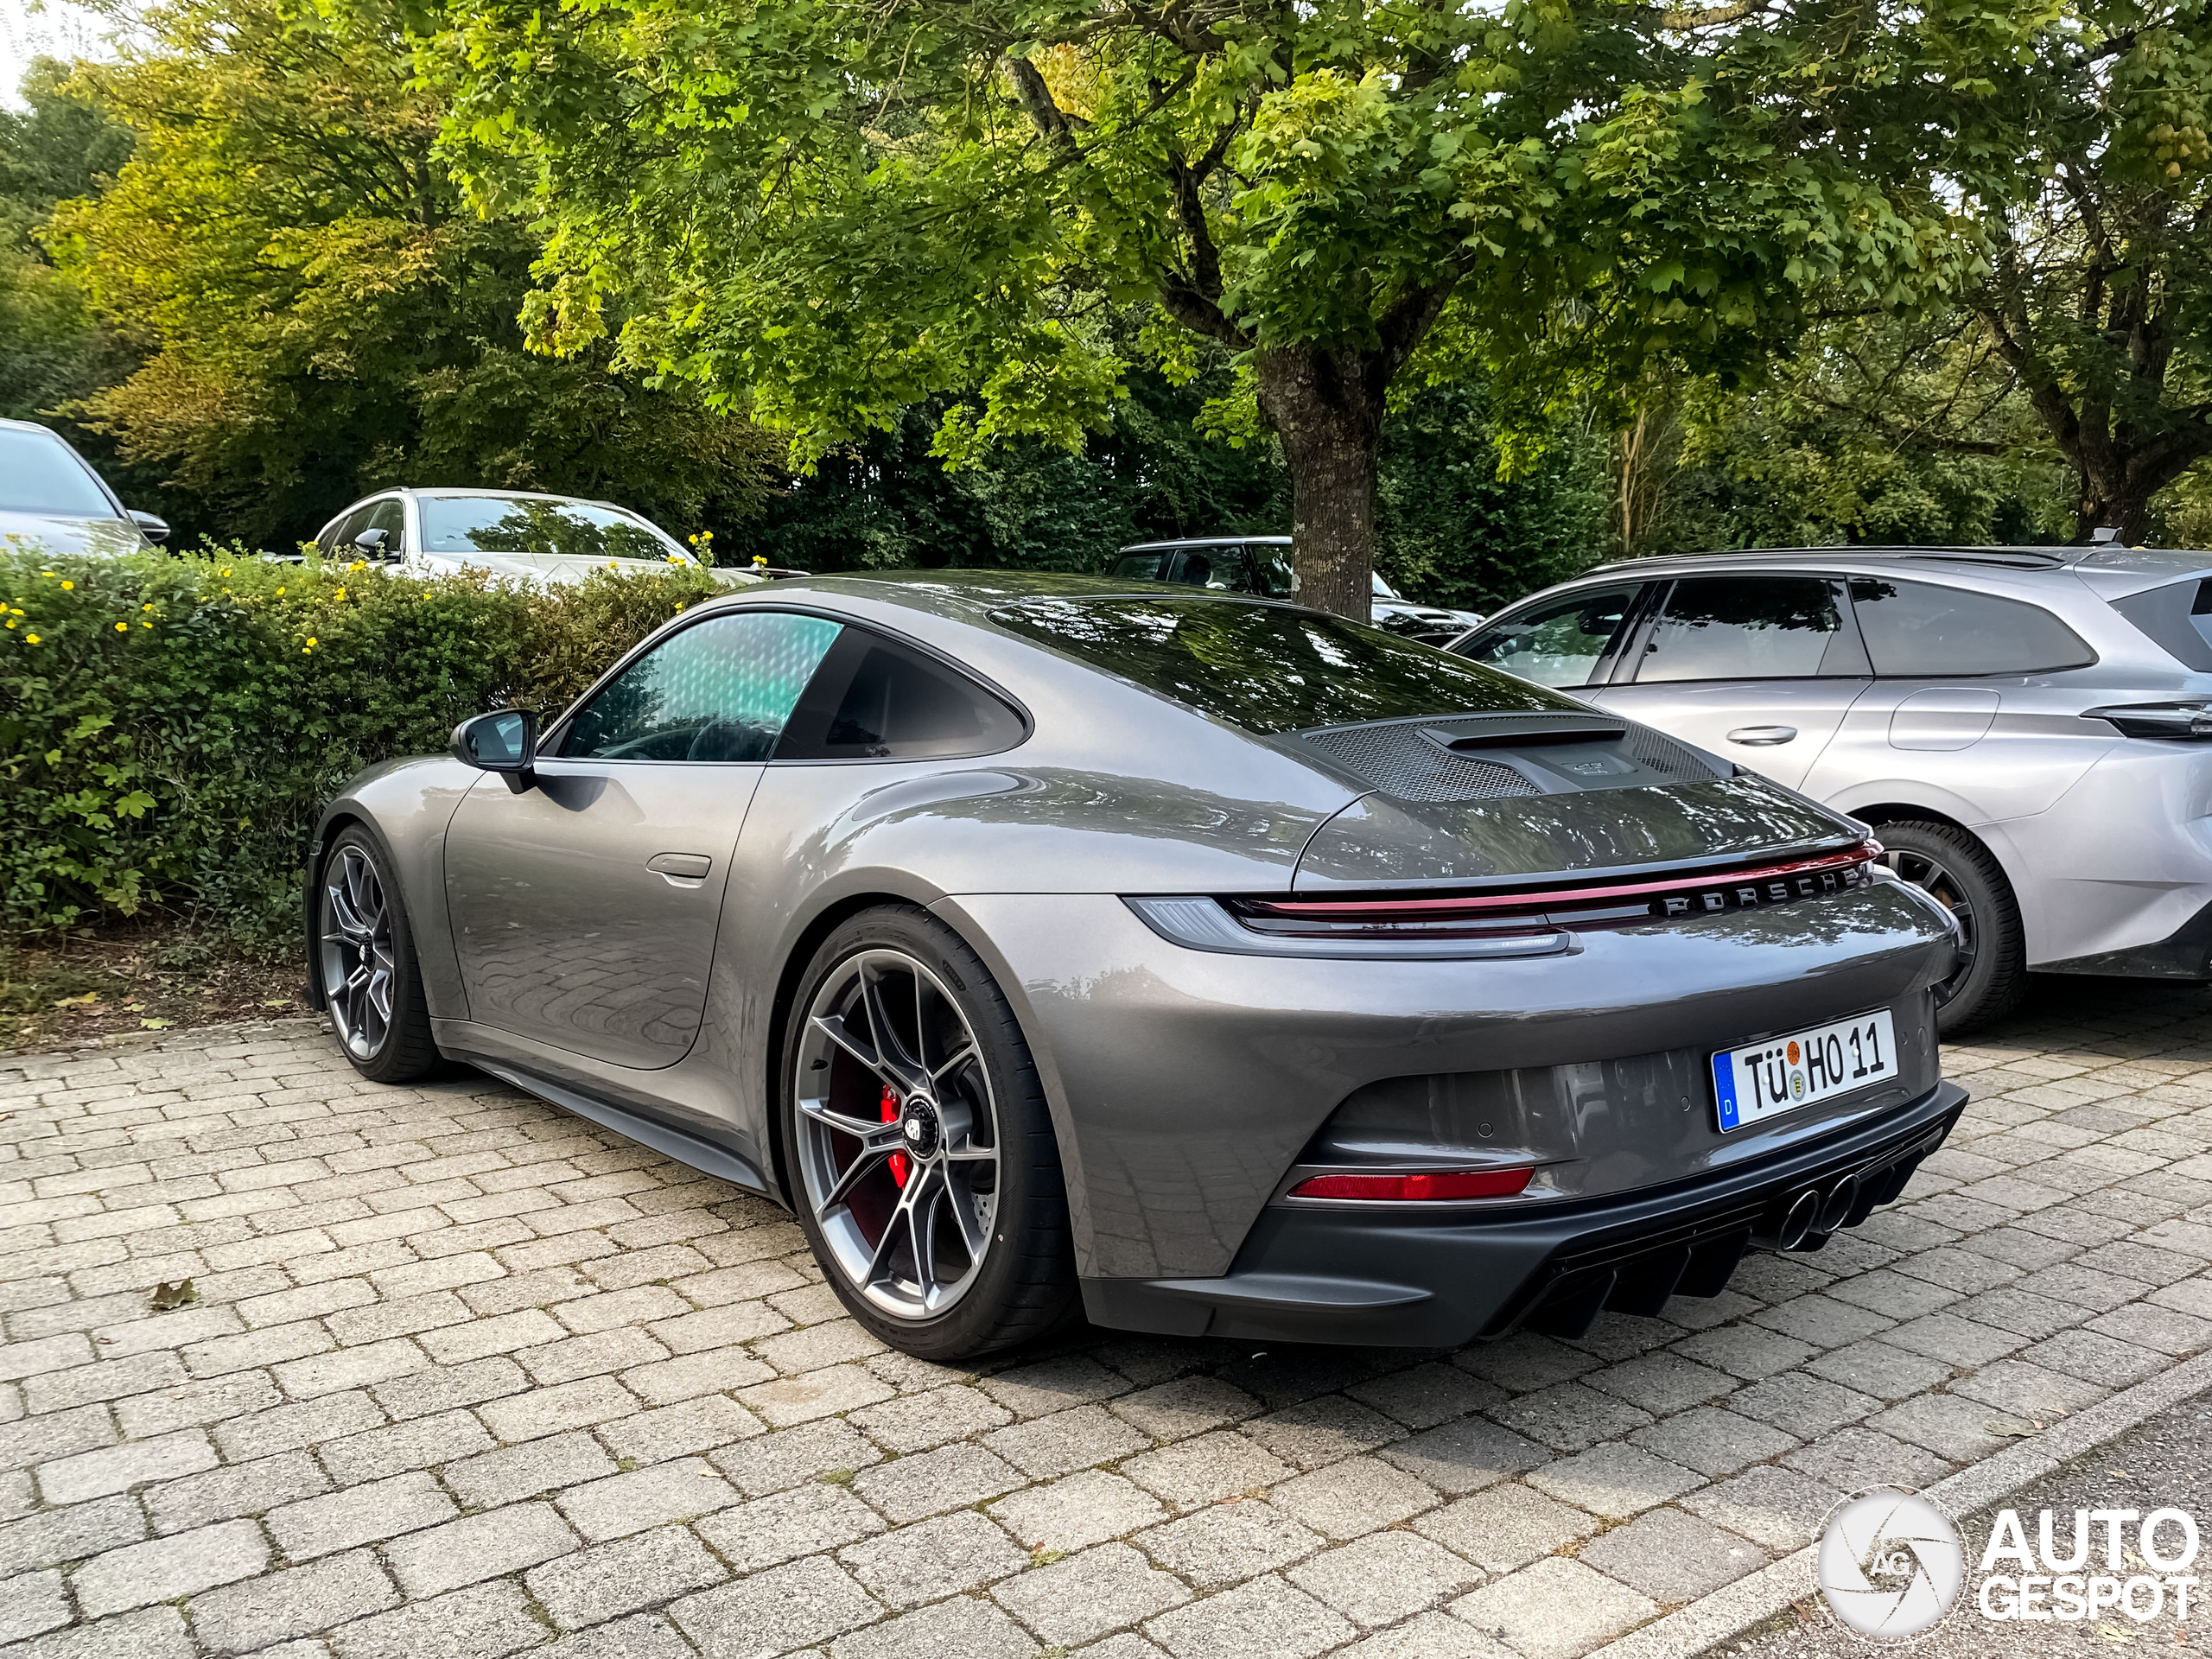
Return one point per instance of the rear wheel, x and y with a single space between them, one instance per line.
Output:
919 1150
1958 872
365 959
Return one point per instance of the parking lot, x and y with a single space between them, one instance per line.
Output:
466 1376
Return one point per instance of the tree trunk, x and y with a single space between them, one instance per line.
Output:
1326 406
2108 498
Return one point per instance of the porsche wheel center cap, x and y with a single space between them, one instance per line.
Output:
919 1128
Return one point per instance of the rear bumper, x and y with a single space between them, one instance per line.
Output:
1350 1275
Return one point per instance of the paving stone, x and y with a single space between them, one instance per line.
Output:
531 1470
817 1394
1615 1480
1226 1543
421 1444
1432 1635
479 1547
1570 1416
1778 1508
365 1514
791 1456
951 1477
2086 1354
1187 1406
2163 1330
1050 1385
918 1422
1087 1595
1948 1425
33 1602
1672 1557
1555 1610
1320 1431
778 1610
183 1564
798 1521
300 1601
1877 1369
52 1536
1266 1619
1748 1351
549 1411
1661 1384
932 1560
641 1637
608 1580
1066 1441
486 1621
1801 1404
1524 1363
1359 1495
1074 1513
1852 1459
632 1502
972 1629
2020 1390
1466 1456
1380 1577
1505 1527
1206 1468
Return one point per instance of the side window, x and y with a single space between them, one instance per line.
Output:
342 533
1917 630
722 689
876 699
1557 643
1269 567
389 516
1748 628
1203 566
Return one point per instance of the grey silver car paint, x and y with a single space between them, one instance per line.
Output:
2107 839
1183 1084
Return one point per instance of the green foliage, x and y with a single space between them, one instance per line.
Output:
317 315
170 727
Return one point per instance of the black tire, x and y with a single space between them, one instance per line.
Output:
1022 1285
387 1036
1960 874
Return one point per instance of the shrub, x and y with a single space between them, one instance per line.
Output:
170 727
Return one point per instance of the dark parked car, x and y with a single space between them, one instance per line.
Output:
1236 968
51 499
1261 565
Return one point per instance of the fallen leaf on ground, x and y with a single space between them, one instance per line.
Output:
177 1295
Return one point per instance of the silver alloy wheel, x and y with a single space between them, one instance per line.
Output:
897 1135
357 955
1930 875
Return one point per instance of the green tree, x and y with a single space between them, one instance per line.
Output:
316 313
844 211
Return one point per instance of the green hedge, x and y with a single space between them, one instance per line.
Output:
170 726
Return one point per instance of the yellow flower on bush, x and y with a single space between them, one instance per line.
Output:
69 584
341 592
311 643
31 639
123 627
145 607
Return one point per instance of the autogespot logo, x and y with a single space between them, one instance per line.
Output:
1891 1564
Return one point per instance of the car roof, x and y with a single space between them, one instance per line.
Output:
1204 541
2109 555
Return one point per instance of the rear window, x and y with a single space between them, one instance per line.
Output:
1916 630
2178 616
1269 668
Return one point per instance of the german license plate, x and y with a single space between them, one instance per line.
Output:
1803 1068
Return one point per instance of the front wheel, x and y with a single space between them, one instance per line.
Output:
919 1150
365 961
1958 872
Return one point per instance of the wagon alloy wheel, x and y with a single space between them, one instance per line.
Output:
1954 869
1932 876
898 1136
359 957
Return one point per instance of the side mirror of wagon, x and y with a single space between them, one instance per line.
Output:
504 742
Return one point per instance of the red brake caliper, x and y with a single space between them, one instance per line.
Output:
898 1160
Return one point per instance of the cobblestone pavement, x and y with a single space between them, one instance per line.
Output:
466 1376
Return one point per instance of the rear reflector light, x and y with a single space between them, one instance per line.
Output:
1426 1186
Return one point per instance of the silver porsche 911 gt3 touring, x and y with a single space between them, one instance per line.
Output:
1206 963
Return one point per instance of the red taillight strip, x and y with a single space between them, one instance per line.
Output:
1333 910
1416 1187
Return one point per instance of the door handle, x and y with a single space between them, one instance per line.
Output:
1762 737
680 869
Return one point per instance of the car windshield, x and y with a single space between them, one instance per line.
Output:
1269 668
495 523
40 473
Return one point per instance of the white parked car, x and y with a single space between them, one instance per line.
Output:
538 538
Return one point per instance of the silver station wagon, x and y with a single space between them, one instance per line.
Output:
2028 729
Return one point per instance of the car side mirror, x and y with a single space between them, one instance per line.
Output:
153 529
371 542
504 742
